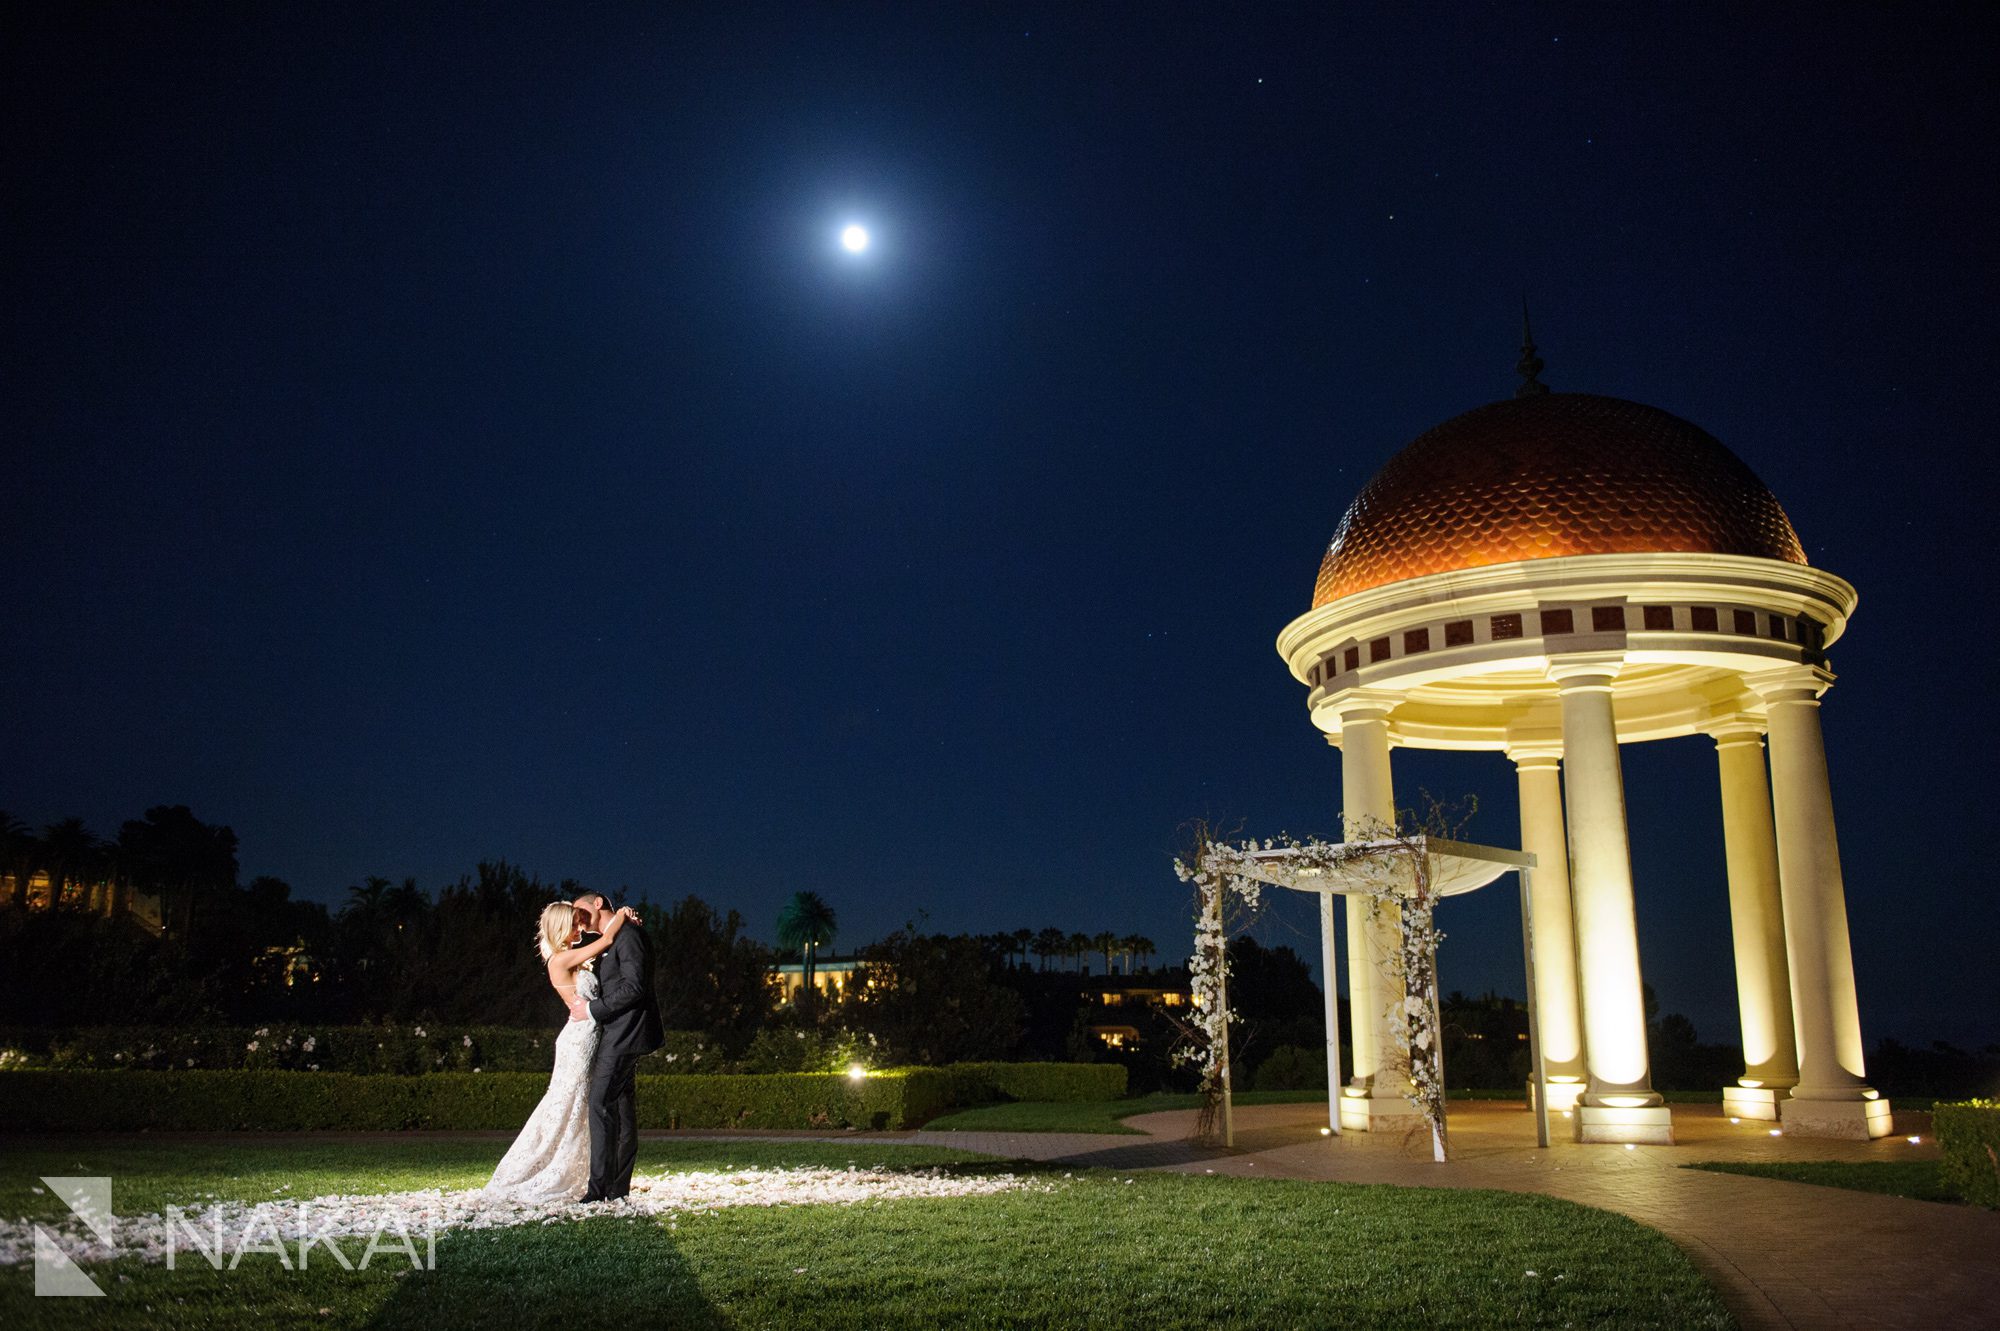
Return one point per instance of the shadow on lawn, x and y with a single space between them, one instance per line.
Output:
596 1273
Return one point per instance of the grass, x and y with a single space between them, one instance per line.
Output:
1918 1179
1093 1115
1104 1250
1107 1115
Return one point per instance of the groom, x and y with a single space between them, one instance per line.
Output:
628 1026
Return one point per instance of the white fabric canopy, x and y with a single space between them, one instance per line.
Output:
1456 867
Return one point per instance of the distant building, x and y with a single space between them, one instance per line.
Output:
104 898
1157 991
832 977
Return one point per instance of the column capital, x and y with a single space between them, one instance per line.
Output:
1576 672
1536 752
1360 707
1739 726
1791 684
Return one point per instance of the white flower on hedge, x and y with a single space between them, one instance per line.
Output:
420 1034
263 1031
252 1046
312 1067
308 1046
190 1062
670 1057
466 1041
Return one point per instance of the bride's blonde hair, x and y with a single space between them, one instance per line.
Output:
558 923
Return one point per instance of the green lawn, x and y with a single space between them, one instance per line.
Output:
1108 1115
1102 1251
1093 1115
1919 1179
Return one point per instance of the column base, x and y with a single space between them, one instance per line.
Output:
1759 1102
1563 1095
1844 1120
1645 1125
1361 1111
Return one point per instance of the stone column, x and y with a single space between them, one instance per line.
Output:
1376 1095
1619 1103
1361 978
1757 926
1558 1012
1832 1098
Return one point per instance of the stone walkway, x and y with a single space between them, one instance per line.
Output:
1783 1255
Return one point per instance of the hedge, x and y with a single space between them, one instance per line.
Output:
424 1048
255 1100
418 1047
246 1101
980 1082
1968 1136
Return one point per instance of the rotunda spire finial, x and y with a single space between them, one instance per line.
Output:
1530 364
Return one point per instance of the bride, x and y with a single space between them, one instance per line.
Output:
550 1160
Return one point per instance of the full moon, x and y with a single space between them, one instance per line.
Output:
855 239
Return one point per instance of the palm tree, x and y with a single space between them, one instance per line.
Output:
1079 948
1022 938
405 902
1049 943
364 900
805 925
1104 944
71 854
17 856
1140 946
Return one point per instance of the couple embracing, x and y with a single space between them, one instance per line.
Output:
582 1140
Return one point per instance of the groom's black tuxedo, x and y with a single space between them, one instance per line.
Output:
628 1022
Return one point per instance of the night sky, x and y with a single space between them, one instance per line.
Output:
442 433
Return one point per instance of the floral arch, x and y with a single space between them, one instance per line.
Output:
1404 874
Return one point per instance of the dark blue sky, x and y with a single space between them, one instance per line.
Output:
436 434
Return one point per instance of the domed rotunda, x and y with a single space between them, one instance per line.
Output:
1552 576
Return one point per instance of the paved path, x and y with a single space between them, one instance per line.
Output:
1783 1255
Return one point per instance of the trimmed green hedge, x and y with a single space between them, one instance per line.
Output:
981 1082
425 1049
1968 1135
244 1101
409 1050
253 1100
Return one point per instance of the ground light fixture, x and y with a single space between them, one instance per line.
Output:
855 1072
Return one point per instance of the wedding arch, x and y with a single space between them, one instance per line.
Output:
1402 875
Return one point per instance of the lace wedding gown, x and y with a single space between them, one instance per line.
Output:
550 1160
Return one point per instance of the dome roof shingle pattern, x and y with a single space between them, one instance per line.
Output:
1550 475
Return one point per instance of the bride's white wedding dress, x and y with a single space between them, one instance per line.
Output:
550 1160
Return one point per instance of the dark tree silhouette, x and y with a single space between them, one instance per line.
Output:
181 858
805 925
1050 943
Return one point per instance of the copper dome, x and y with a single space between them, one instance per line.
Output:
1548 475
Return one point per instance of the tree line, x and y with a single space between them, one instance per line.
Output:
227 952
